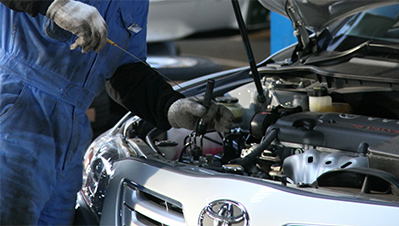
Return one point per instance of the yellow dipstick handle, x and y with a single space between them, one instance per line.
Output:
111 42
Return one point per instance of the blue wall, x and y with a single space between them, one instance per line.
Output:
281 32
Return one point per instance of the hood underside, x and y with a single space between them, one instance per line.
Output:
318 14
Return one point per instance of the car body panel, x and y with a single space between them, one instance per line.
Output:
195 190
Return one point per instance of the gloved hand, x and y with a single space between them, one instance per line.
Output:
186 112
82 20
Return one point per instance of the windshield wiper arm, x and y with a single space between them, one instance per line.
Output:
336 55
392 47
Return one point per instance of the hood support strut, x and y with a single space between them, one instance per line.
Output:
251 59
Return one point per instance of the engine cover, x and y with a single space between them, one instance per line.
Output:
335 130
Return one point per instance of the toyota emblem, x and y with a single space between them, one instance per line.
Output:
224 213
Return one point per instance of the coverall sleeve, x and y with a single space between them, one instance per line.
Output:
32 7
144 92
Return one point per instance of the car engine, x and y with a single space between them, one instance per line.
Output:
284 140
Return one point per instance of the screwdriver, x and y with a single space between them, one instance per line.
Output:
201 126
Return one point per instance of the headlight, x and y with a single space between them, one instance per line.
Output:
97 171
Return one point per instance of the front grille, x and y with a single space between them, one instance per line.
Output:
141 206
161 202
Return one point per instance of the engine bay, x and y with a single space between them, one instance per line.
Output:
344 146
341 148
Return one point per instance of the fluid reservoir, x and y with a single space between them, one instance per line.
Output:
232 104
319 100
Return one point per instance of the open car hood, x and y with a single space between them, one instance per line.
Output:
318 14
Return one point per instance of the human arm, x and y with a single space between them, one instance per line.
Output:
145 92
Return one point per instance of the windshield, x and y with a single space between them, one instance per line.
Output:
376 24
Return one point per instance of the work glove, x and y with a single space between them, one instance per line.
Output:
186 112
82 20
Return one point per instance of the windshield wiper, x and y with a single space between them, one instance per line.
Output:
365 46
392 48
328 56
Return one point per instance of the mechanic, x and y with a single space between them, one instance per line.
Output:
54 60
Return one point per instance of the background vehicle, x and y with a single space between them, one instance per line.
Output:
171 20
315 140
177 19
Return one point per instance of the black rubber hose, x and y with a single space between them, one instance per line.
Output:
251 157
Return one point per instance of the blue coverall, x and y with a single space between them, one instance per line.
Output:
45 89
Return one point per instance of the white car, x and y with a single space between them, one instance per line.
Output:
315 140
176 19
